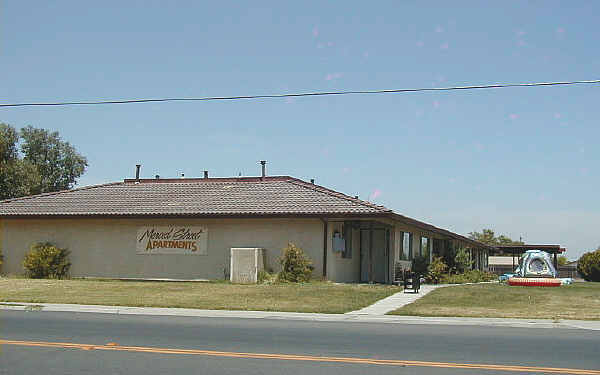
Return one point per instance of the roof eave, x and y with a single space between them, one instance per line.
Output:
329 215
434 229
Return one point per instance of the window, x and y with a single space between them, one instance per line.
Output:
347 233
407 240
400 240
425 245
402 255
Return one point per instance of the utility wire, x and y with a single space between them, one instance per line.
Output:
296 95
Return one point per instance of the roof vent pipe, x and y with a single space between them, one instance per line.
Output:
183 175
157 177
205 174
137 172
263 163
312 181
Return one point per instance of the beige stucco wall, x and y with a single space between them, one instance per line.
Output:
345 270
1 242
417 235
107 247
348 270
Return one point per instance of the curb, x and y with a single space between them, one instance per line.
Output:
389 319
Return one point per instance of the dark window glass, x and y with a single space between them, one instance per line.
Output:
347 233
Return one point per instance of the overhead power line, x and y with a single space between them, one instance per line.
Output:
296 95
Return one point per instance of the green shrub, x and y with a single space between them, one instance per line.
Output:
45 260
562 260
449 256
588 266
265 277
462 260
472 276
419 265
436 270
296 267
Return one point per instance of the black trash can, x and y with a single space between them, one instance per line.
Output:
412 282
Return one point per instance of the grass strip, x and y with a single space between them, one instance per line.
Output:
313 297
580 301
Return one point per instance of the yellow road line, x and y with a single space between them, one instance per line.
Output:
292 357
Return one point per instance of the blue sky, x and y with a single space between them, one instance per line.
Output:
523 161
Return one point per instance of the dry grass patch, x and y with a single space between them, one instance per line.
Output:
576 301
319 297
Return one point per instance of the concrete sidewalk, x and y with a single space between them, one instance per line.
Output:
395 301
393 319
401 299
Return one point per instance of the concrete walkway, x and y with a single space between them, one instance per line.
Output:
400 299
395 301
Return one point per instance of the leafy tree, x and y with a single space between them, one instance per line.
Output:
588 266
47 163
562 260
503 240
487 236
463 260
17 179
16 175
8 143
58 163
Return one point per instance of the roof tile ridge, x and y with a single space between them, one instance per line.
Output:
60 192
195 180
337 194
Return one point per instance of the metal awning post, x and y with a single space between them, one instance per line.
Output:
512 253
371 252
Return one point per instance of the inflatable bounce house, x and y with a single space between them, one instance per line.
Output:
535 269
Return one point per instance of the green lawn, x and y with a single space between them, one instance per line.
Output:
319 297
577 301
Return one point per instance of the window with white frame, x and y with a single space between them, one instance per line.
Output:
425 247
406 240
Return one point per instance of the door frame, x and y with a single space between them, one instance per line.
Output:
386 251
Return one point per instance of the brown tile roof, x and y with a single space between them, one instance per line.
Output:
193 197
212 197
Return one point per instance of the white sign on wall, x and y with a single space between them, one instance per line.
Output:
172 240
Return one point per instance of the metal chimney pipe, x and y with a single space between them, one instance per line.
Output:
137 171
205 174
157 177
312 181
183 175
263 163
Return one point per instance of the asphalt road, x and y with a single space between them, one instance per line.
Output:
75 343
